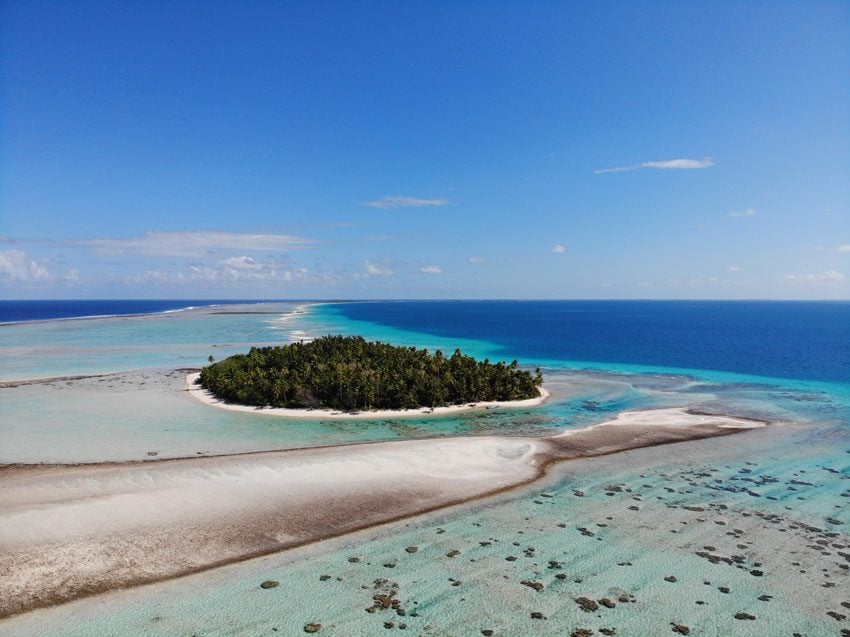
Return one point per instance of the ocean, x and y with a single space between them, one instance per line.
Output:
41 310
802 340
785 339
692 534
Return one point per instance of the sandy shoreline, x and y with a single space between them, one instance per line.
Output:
669 417
207 398
71 531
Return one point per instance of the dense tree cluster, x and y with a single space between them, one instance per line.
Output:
349 373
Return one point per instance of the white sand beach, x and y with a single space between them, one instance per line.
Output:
66 531
671 417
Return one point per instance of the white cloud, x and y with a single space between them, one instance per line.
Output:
431 269
242 263
153 276
559 249
733 268
16 266
233 271
373 269
194 243
843 248
477 260
406 202
667 164
747 212
680 164
699 281
616 169
822 278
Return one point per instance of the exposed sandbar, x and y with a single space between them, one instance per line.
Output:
208 398
68 531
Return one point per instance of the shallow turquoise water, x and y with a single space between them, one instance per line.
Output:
178 339
777 500
603 528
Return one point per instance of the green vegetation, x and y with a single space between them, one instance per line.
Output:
348 373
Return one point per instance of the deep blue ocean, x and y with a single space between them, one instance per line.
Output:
782 339
802 340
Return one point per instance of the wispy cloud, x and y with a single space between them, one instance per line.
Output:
747 212
233 271
374 269
406 202
667 164
680 164
477 260
431 269
194 243
734 268
559 249
843 248
822 278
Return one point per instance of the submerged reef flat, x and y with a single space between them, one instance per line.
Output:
638 543
70 531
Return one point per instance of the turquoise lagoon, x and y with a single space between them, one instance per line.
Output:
691 534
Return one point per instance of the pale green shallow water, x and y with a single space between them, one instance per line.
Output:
799 473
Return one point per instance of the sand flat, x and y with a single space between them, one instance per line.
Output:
672 417
67 531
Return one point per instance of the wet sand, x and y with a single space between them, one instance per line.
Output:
69 531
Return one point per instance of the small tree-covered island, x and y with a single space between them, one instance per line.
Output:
348 373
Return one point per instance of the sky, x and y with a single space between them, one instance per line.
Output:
433 149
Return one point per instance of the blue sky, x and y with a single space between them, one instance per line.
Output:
424 149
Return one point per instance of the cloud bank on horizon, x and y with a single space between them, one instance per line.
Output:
193 243
247 264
